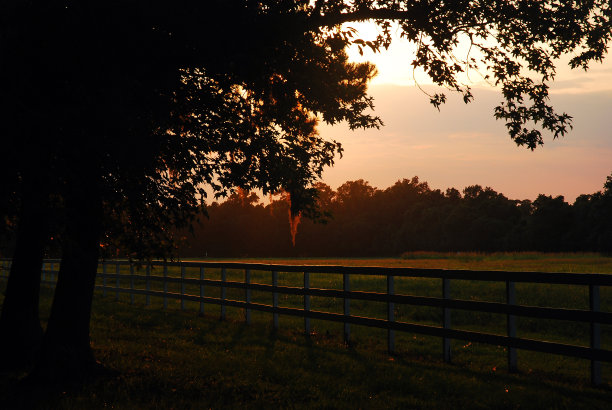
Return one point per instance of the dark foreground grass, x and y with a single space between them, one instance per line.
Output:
175 359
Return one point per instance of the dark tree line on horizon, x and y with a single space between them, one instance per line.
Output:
408 216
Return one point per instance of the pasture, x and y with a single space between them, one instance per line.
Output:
175 358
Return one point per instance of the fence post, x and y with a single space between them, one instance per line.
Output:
201 290
132 296
275 299
247 296
165 286
390 314
117 280
148 284
346 287
306 303
446 319
44 271
594 305
223 292
182 286
103 278
511 323
52 273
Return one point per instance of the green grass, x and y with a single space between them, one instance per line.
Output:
511 261
176 359
551 295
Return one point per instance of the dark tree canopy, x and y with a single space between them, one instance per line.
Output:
228 93
157 123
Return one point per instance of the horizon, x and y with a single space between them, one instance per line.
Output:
265 199
464 145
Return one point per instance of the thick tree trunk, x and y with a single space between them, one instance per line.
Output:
66 353
20 330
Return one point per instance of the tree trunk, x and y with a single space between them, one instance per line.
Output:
66 353
20 330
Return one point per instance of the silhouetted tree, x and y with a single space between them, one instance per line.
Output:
550 223
408 216
162 128
592 224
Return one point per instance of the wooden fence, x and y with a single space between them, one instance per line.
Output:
111 276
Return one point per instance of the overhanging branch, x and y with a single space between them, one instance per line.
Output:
329 20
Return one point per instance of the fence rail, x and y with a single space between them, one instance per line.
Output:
111 283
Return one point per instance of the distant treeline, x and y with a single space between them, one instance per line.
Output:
408 216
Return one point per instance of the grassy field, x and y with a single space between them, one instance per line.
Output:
510 261
558 296
176 359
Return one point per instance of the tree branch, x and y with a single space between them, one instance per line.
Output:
334 19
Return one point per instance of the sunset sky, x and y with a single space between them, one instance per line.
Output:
464 145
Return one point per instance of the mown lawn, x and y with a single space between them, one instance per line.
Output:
177 359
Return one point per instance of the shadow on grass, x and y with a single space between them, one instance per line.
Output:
176 359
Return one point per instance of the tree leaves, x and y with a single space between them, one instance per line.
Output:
165 100
518 43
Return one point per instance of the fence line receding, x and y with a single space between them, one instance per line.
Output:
111 277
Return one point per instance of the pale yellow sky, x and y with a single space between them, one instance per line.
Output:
464 145
394 66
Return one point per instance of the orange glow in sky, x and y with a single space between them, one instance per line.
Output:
464 145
